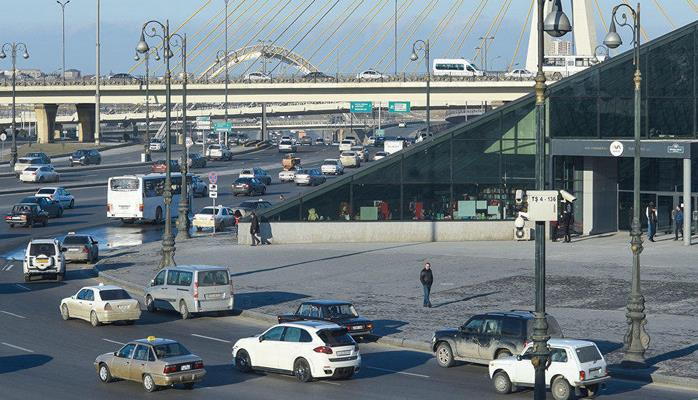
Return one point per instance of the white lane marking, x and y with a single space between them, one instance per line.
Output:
113 341
9 267
13 314
17 347
22 286
399 372
331 383
211 338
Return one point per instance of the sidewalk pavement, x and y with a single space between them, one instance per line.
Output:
587 286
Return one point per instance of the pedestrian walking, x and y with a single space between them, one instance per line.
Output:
566 221
254 229
651 214
678 222
426 277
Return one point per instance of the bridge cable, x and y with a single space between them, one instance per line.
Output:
323 34
415 26
142 60
470 29
390 52
273 43
385 29
451 48
603 20
436 35
351 35
693 6
521 35
497 20
308 33
664 13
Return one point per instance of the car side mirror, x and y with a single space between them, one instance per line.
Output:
261 339
115 354
152 282
63 249
518 357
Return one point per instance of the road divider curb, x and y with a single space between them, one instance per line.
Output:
86 168
99 148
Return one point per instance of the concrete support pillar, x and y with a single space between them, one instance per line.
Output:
600 195
687 217
86 122
45 122
265 136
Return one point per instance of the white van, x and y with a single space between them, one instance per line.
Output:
346 144
455 67
190 289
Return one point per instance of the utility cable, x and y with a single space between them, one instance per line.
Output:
693 6
417 23
390 52
491 27
603 20
664 13
385 29
252 27
469 30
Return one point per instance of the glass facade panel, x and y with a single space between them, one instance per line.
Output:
475 160
376 202
670 117
670 68
573 117
617 115
431 165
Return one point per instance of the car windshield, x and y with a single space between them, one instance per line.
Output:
114 294
336 337
242 180
30 169
332 162
207 211
21 209
341 310
213 278
286 142
46 191
76 239
42 249
170 350
124 184
588 354
79 152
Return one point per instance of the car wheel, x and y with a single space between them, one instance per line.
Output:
301 370
561 389
503 354
593 390
184 310
60 213
59 277
242 361
150 304
72 204
444 355
64 312
158 216
104 373
93 319
189 385
149 384
501 382
12 225
41 179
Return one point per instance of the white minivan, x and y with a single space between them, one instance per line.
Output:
190 289
345 145
455 67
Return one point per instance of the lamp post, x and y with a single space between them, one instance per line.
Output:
556 24
423 46
12 48
484 51
63 4
183 219
636 338
146 137
168 243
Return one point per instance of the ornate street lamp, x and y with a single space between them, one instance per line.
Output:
636 338
423 46
183 219
12 48
168 243
556 24
146 139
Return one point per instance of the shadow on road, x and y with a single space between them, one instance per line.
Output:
225 374
247 301
465 299
15 288
390 362
17 363
384 327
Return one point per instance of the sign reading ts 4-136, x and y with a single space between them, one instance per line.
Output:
399 106
361 107
542 205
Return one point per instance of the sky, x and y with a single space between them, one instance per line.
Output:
368 42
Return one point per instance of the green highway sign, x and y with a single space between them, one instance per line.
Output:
361 107
203 118
399 106
379 133
222 126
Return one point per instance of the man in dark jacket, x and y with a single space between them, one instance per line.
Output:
426 277
254 229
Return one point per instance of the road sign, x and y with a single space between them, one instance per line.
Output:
189 142
213 195
399 106
212 177
222 126
379 133
203 118
3 136
212 187
542 205
361 107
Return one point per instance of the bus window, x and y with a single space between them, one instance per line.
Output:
124 184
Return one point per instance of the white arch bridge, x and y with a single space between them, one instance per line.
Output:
260 50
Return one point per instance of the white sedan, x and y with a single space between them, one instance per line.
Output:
59 194
306 349
520 74
45 173
370 74
209 217
100 305
380 155
287 175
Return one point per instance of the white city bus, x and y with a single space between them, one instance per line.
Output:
132 198
455 67
558 67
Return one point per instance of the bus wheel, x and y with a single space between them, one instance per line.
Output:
158 216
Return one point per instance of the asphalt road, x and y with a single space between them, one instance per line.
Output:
89 215
42 356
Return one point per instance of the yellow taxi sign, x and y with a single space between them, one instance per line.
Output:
151 338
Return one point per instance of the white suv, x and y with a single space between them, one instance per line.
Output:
306 349
332 166
218 152
44 257
575 366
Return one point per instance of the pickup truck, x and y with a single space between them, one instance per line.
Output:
340 312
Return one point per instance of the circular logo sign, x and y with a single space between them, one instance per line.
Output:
3 136
616 149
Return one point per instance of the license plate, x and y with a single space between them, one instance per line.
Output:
123 307
595 372
122 207
185 367
343 353
42 260
214 295
73 249
357 327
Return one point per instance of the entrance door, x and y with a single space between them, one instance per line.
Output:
664 206
625 209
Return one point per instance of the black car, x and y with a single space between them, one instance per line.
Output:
485 337
379 141
196 161
337 311
85 157
248 187
317 75
45 159
26 214
52 207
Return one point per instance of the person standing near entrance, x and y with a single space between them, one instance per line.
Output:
426 277
254 229
678 222
651 214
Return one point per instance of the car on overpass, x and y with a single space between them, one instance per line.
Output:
257 77
370 74
332 166
311 177
317 76
101 304
520 74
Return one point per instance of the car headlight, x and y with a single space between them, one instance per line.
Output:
433 339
